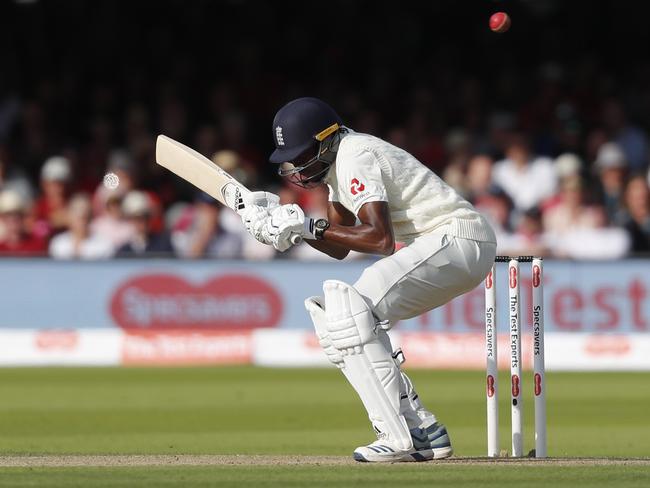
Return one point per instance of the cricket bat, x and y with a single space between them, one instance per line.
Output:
198 170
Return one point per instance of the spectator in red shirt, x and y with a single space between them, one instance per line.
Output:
50 208
15 237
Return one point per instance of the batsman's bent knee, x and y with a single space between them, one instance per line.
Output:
316 308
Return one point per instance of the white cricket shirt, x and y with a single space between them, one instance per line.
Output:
369 169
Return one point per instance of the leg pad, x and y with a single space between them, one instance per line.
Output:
372 371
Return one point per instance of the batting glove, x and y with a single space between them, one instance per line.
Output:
262 198
254 218
285 222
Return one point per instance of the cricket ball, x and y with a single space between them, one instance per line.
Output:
500 22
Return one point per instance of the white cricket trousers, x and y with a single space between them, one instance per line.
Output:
426 274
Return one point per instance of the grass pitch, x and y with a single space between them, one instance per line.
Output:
282 414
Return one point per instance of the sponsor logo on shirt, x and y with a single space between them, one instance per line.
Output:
356 186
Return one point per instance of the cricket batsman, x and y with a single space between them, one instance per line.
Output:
378 195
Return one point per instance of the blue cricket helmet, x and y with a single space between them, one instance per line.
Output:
301 124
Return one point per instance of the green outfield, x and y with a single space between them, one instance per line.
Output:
284 414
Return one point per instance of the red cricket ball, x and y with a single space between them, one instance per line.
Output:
500 22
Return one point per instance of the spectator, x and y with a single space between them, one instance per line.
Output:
500 127
233 128
593 142
197 232
630 138
234 165
110 225
571 212
15 236
79 242
637 216
479 176
137 209
527 179
457 145
496 206
612 168
528 237
14 179
577 230
121 165
567 167
50 208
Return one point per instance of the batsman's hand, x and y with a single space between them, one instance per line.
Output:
255 218
284 223
257 205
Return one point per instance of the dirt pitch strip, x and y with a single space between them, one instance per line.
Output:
53 461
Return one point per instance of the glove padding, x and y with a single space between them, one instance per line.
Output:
254 218
261 198
284 222
257 205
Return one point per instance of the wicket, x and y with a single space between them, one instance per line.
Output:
515 328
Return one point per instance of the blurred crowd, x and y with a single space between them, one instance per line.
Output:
553 150
567 206
119 219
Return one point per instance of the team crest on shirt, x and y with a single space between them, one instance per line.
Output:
356 186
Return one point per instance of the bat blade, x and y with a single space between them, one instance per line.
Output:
198 170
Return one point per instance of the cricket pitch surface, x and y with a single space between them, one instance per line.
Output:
284 460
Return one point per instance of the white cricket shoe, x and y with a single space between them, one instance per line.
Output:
428 443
